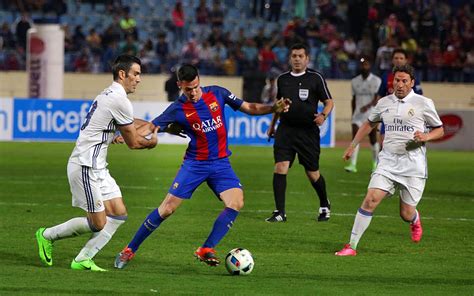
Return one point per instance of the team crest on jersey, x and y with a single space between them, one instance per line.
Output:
304 94
175 185
213 106
411 112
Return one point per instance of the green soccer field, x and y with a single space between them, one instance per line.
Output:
293 258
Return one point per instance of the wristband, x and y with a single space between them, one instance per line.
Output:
324 114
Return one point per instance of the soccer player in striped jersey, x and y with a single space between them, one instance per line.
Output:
200 113
93 188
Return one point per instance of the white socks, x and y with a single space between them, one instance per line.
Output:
354 156
361 222
73 227
101 238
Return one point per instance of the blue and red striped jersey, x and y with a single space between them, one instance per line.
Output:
203 121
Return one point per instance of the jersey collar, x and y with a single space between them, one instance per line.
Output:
297 74
118 88
407 97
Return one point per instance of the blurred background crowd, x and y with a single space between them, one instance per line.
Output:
237 37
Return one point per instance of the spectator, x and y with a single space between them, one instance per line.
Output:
147 57
260 38
178 19
190 53
79 39
128 24
202 20
7 36
312 32
94 41
266 58
217 15
435 62
275 9
281 55
22 26
205 58
250 52
162 51
130 46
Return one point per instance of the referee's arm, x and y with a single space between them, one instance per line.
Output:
321 117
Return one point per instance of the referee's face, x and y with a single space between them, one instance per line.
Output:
298 60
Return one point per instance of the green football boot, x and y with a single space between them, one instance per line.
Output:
45 248
87 264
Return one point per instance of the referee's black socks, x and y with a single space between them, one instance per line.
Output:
320 187
279 188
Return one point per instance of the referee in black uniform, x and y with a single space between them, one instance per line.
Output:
298 131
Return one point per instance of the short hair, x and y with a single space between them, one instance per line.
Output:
405 69
187 72
399 50
300 45
124 62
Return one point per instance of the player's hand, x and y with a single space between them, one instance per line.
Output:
364 109
153 138
349 151
319 119
175 129
281 105
419 138
118 139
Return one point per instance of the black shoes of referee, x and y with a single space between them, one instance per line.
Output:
277 216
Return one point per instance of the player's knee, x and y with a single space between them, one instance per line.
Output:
97 226
370 203
166 210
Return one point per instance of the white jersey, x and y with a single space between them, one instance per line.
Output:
364 91
402 118
110 109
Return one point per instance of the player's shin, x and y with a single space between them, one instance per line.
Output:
361 223
221 226
70 228
100 239
152 221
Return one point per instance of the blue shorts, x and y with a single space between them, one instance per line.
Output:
218 174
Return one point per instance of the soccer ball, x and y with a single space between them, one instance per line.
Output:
239 262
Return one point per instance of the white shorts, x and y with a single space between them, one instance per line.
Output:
411 188
90 187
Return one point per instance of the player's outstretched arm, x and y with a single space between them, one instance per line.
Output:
281 105
363 131
135 140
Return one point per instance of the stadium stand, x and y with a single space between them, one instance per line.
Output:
438 35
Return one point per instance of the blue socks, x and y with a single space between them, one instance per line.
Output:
148 226
222 225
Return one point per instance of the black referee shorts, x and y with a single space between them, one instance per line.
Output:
305 142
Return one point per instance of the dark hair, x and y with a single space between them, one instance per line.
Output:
187 72
405 69
399 50
300 45
124 62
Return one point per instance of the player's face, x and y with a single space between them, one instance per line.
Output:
298 60
132 79
399 59
403 84
191 89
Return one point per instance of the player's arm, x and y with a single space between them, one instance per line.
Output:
281 105
433 134
363 131
353 104
321 117
135 140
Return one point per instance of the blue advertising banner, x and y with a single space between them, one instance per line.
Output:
244 129
42 119
60 120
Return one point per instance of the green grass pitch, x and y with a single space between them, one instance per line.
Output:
293 258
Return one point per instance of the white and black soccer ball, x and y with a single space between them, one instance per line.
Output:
239 261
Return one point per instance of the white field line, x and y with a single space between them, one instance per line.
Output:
26 204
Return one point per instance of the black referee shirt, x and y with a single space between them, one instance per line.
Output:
305 91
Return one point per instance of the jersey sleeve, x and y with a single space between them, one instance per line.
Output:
230 99
168 116
431 116
322 90
375 114
122 112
